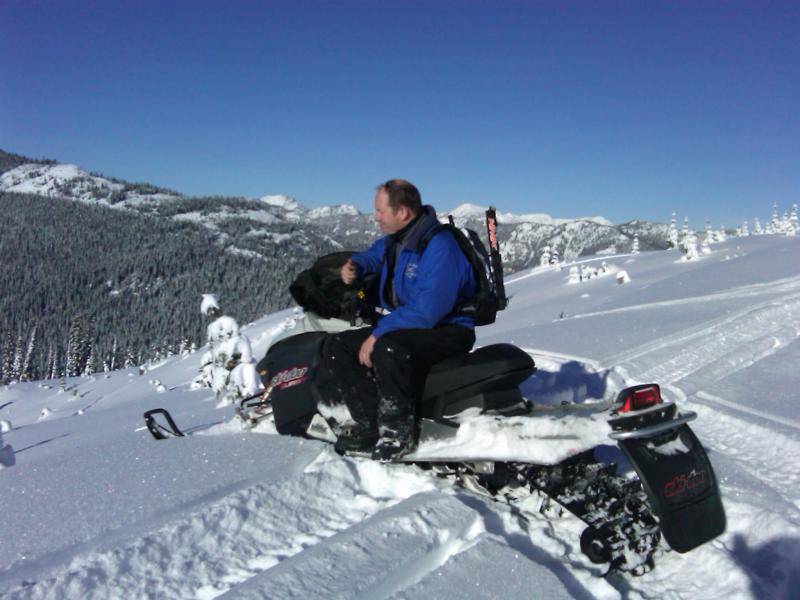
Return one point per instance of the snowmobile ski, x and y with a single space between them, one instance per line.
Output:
163 427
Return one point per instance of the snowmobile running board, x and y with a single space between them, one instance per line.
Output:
653 430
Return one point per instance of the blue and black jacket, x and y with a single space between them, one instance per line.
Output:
429 280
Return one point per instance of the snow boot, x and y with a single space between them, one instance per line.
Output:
396 440
356 440
389 449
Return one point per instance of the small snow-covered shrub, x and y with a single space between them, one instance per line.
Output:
228 367
5 426
574 277
623 277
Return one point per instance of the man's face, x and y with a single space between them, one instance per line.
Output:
390 221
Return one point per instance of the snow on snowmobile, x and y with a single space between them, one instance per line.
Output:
476 428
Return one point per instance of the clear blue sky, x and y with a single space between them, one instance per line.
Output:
623 109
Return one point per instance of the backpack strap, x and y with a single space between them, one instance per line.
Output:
423 243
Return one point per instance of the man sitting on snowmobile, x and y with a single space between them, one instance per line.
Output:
379 372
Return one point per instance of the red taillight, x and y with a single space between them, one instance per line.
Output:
643 397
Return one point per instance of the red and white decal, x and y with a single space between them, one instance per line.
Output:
289 377
682 483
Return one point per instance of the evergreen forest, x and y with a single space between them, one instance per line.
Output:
87 288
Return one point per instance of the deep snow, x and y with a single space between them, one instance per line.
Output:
91 506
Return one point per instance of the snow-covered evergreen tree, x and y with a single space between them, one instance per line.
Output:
6 357
786 226
684 231
705 248
721 235
588 272
574 275
545 258
113 359
774 221
25 372
48 362
745 230
554 257
635 246
757 227
673 232
74 363
91 364
55 371
16 367
228 367
793 218
689 246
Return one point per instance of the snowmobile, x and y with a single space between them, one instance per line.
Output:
477 429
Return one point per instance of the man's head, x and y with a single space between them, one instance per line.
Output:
397 202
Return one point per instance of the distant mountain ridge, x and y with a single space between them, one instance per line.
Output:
268 219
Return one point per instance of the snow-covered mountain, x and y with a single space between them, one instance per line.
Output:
268 219
93 507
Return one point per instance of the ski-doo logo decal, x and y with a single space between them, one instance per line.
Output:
289 377
492 225
682 483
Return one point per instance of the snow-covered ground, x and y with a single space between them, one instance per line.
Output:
92 506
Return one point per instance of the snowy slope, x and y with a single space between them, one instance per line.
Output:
91 506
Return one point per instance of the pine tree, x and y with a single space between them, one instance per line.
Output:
672 242
16 367
554 257
79 347
7 357
704 246
757 227
48 362
635 246
55 371
690 246
113 360
545 258
91 366
574 275
27 365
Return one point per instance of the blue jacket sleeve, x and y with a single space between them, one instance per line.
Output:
441 273
371 260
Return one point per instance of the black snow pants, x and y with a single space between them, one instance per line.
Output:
385 397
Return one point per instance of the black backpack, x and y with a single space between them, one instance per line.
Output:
320 290
487 268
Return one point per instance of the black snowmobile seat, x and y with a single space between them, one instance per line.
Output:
484 364
481 378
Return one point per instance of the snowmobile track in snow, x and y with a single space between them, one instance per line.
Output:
697 357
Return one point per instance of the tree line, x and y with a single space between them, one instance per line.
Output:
87 288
